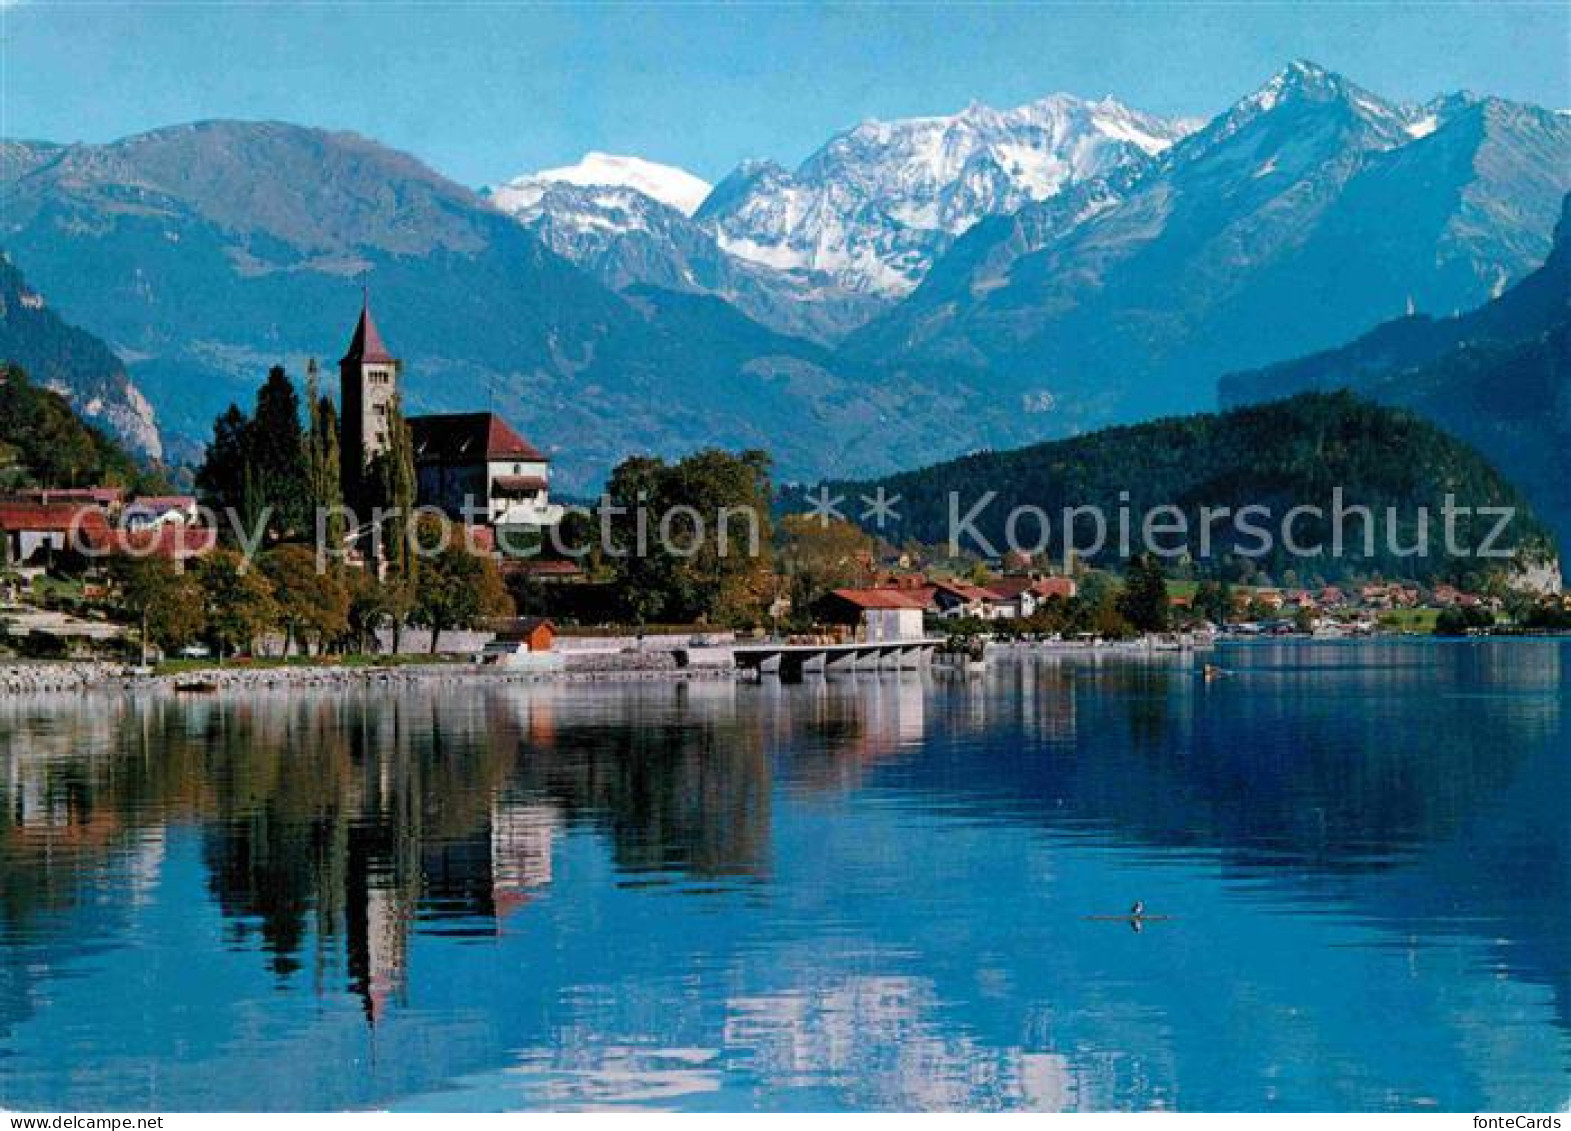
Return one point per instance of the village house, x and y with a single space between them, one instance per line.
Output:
1022 596
37 532
518 642
1268 599
146 511
882 615
957 600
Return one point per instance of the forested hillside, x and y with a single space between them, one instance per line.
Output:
1291 453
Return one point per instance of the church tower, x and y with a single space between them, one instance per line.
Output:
368 382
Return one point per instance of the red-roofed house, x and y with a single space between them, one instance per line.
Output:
884 614
1021 596
156 510
36 531
174 541
956 599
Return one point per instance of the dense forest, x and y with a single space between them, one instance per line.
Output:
44 443
1279 456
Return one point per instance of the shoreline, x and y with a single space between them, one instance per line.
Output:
58 678
19 678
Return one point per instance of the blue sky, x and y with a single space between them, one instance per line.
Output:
483 91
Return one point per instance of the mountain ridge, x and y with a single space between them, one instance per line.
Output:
1498 376
1284 225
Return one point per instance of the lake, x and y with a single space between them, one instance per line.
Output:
860 893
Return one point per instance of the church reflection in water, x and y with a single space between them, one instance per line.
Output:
336 828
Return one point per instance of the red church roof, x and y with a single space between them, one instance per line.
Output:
367 345
468 437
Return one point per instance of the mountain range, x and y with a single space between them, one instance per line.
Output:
877 205
913 290
1298 218
1498 376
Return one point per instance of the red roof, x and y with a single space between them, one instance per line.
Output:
468 437
1011 587
883 598
542 567
1055 587
54 518
966 591
176 542
94 534
366 345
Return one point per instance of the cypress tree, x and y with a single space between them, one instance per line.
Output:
275 452
325 490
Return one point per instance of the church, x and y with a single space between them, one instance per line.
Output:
473 466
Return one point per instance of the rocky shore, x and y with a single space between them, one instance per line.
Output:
23 679
27 679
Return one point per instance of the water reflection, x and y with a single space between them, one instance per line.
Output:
852 893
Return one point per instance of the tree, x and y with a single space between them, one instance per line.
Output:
458 587
275 453
312 604
695 537
324 488
44 442
1144 602
818 555
1214 601
368 608
166 603
221 478
259 465
1459 621
1304 620
239 603
392 479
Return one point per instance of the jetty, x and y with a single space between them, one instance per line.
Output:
791 661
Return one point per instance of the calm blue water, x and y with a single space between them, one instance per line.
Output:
861 893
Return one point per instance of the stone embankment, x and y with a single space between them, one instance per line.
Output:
24 679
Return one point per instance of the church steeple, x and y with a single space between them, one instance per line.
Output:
368 383
366 345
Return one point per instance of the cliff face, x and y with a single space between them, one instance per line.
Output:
73 363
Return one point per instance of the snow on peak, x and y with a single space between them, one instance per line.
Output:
881 200
676 188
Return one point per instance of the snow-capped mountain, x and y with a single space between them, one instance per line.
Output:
627 238
673 187
879 203
1298 218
